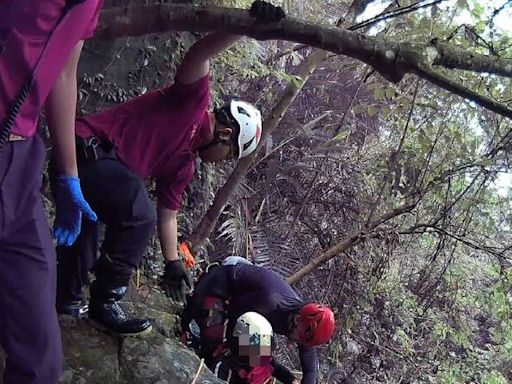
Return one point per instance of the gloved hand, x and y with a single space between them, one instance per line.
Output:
70 204
175 280
283 374
266 12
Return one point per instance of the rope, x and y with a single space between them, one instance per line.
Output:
201 363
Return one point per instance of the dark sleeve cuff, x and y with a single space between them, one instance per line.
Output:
281 373
309 363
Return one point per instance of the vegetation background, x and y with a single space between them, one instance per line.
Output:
404 181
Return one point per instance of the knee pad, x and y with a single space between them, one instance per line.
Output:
214 311
212 320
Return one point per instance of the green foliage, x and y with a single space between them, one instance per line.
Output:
247 62
417 298
494 378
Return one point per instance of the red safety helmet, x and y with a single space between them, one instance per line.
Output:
315 325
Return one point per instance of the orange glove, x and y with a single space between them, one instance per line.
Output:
188 259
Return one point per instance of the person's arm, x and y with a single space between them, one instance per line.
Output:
61 112
175 279
195 64
167 232
283 374
308 362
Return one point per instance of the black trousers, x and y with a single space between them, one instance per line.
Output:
119 198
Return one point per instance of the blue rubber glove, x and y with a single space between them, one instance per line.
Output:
70 204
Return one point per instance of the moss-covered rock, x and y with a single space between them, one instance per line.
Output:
95 357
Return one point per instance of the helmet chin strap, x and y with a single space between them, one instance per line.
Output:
211 144
291 321
216 140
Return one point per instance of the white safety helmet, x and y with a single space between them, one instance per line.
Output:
248 118
253 339
234 260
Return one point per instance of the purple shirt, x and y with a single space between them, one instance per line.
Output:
27 29
156 135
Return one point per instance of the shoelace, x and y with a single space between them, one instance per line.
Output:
118 311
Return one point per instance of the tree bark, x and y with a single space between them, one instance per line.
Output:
451 57
391 59
207 223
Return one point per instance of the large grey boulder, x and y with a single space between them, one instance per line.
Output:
95 357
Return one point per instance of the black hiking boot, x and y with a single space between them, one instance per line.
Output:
106 312
69 308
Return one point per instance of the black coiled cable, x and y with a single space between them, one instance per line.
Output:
13 112
6 127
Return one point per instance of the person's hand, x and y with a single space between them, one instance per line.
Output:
266 12
175 281
70 204
295 381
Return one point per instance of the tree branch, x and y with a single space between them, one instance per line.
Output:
444 82
391 59
429 228
394 12
348 242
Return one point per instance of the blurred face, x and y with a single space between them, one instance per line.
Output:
297 333
223 150
217 152
254 349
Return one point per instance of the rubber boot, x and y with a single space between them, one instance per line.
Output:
106 312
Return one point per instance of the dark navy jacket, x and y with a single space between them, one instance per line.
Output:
252 288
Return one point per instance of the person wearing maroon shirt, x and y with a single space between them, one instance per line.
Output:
226 292
40 43
157 135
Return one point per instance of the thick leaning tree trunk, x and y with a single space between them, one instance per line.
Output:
304 72
207 223
390 58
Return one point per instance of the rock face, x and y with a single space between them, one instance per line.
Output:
94 357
